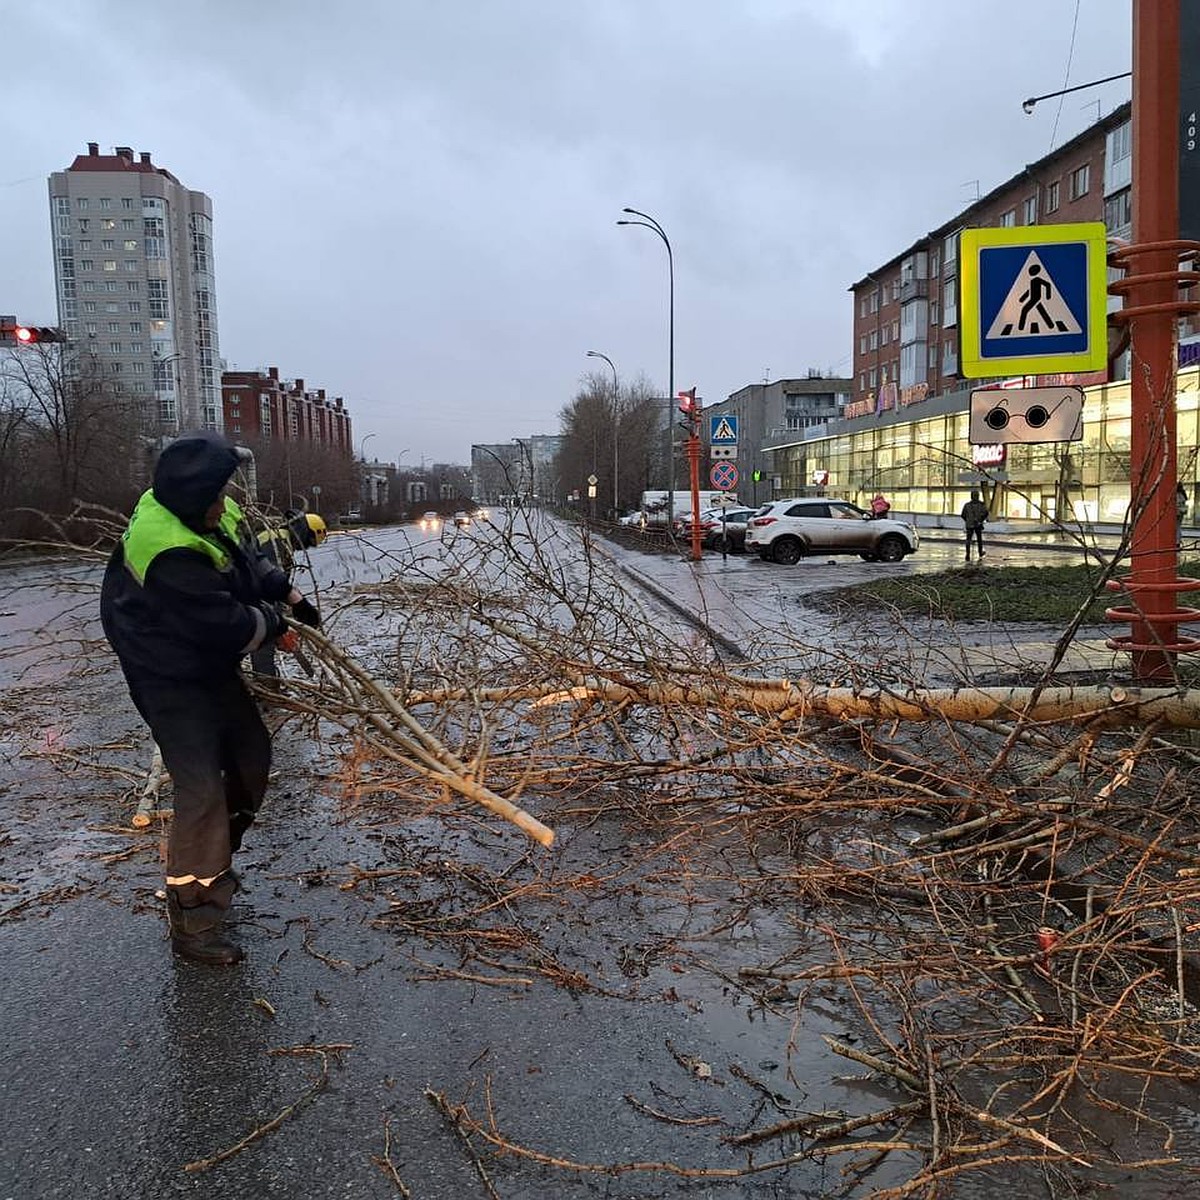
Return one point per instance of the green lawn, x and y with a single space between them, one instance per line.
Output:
985 593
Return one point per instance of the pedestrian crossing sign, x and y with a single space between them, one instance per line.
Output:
1033 300
723 430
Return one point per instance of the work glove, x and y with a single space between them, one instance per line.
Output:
289 641
306 613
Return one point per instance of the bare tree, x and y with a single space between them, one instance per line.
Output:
607 429
67 433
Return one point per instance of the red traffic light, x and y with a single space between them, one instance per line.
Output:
687 402
30 335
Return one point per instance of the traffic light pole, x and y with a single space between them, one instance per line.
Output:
693 453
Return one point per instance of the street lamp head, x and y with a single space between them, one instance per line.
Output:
629 210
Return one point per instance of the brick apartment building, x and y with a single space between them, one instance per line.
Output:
906 310
260 405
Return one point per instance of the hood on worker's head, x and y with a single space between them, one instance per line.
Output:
191 472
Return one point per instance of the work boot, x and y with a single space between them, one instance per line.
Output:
209 948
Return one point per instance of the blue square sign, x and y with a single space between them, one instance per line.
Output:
1033 300
722 431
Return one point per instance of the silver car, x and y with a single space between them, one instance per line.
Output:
786 530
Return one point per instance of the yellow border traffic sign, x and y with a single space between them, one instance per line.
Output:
1082 284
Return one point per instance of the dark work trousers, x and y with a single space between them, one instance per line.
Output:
218 753
976 532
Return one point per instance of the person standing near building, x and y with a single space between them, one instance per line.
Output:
185 596
974 514
880 507
1181 511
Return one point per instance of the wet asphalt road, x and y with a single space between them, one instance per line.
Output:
120 1065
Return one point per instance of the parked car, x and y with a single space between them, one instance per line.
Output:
431 523
633 520
786 530
714 535
462 520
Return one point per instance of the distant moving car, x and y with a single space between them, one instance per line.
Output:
462 520
786 530
482 514
431 523
717 536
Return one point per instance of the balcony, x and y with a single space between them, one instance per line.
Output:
914 289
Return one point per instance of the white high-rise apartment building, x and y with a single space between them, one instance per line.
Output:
133 265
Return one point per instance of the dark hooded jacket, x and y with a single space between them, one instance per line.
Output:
179 602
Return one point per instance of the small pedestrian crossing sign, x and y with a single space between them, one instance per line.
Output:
723 430
1033 300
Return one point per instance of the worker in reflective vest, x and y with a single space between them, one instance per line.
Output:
185 595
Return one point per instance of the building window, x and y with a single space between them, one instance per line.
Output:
110 264
862 344
895 331
86 264
138 368
1118 210
107 223
872 377
89 306
1031 213
874 306
934 312
950 254
110 285
126 202
132 285
950 303
111 306
106 243
85 243
933 356
114 347
114 368
81 203
949 357
131 264
135 327
1121 141
1080 179
935 263
131 243
862 381
159 304
862 307
1008 219
135 306
88 286
89 328
114 327
137 348
105 203
883 336
895 289
874 340
127 225
1052 197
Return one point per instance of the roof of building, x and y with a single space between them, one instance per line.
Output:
121 160
1118 115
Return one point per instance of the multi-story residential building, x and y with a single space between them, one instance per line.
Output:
906 310
905 430
261 405
521 470
779 411
133 266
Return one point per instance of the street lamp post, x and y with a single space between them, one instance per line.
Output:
616 426
650 223
362 458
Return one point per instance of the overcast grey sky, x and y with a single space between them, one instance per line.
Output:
414 200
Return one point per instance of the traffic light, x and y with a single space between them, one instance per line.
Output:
687 403
756 476
31 335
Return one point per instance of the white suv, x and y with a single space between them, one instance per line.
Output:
786 530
